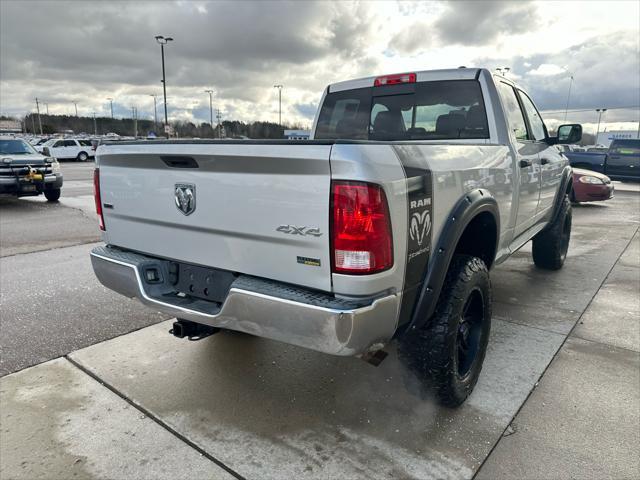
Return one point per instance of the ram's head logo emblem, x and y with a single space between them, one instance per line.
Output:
420 226
185 197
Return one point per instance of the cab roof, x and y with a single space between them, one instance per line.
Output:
461 73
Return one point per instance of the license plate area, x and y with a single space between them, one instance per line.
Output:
206 283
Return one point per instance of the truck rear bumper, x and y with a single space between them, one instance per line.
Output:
263 308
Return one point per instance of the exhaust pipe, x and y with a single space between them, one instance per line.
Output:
192 330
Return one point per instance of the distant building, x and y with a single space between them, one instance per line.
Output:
297 134
10 126
605 138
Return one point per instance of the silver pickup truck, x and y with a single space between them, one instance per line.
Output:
383 226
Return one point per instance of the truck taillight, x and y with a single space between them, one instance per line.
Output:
395 79
96 196
361 228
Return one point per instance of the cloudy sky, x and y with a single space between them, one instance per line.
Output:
88 51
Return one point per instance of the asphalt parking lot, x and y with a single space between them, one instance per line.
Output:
109 393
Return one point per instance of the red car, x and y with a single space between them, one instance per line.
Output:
590 186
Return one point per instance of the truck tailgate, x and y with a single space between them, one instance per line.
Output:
247 199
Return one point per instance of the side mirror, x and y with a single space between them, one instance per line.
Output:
46 152
571 133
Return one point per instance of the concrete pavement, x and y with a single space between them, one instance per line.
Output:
59 423
28 226
583 420
52 304
32 224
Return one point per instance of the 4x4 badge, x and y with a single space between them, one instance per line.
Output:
293 230
185 197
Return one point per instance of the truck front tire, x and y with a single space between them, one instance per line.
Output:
550 246
52 195
448 351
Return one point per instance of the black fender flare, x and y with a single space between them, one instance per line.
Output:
465 210
566 185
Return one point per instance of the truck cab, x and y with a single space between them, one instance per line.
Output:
622 161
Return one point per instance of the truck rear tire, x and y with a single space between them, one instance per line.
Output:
82 157
52 195
550 246
448 351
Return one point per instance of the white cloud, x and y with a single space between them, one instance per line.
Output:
241 49
547 70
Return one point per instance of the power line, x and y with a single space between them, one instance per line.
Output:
589 109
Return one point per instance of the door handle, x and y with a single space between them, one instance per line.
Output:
544 161
524 163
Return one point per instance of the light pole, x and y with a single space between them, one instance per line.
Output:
503 71
134 115
219 117
155 109
210 92
111 102
95 126
47 107
163 41
75 104
39 119
279 87
566 109
600 112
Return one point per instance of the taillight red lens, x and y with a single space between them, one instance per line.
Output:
395 79
361 228
96 196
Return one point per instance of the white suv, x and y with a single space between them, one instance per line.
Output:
68 148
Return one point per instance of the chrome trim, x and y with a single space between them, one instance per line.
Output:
337 332
9 180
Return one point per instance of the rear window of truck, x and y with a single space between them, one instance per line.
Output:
442 110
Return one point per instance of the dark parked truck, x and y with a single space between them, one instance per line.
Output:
25 172
621 162
383 226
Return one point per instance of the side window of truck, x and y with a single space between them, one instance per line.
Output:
345 115
514 114
629 147
535 121
59 143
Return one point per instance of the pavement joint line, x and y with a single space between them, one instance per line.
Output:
142 327
540 329
606 344
151 416
65 205
49 249
555 354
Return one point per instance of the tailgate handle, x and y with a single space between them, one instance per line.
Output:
179 161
